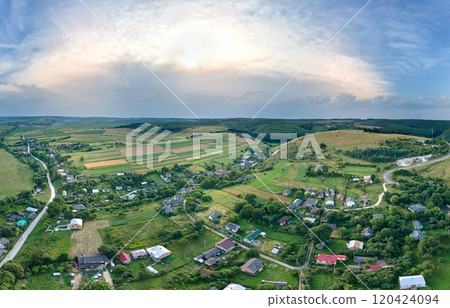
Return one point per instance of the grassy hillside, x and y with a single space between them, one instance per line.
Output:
15 176
439 170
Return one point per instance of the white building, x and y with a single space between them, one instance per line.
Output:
412 282
158 252
76 223
233 286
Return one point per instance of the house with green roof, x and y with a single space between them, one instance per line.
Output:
251 238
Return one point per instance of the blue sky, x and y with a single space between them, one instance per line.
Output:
225 58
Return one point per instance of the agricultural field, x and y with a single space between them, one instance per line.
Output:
15 176
88 239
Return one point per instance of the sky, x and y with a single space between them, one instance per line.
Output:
218 59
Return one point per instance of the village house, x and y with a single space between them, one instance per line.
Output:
234 287
76 223
286 192
137 254
329 201
282 221
225 245
377 216
417 225
417 208
124 258
309 219
157 253
364 199
310 191
412 282
326 259
252 266
360 259
214 216
375 267
213 252
417 234
3 243
92 261
368 179
320 246
251 237
340 197
367 232
231 227
297 202
311 202
350 202
355 245
31 209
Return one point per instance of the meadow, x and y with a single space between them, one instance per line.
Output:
15 176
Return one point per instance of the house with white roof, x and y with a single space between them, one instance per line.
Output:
76 223
412 282
159 252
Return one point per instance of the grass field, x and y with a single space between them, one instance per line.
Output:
15 175
439 280
88 239
439 170
322 281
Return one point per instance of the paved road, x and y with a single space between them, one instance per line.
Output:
13 252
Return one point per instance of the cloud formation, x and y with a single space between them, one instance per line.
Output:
223 58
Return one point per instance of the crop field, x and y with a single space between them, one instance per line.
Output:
349 139
242 190
359 170
105 163
15 175
88 239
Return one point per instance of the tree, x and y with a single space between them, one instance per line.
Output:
15 268
251 253
7 279
99 285
246 211
377 223
428 244
321 233
63 257
108 250
394 199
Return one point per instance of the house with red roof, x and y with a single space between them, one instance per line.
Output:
375 267
225 245
342 257
326 259
124 258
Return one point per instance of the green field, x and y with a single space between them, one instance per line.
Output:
15 176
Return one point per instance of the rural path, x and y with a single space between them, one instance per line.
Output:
387 180
239 244
246 248
16 248
107 277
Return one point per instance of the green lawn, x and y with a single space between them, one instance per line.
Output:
15 175
322 281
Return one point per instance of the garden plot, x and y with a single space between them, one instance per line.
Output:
88 239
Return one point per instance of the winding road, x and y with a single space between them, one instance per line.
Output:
16 248
387 180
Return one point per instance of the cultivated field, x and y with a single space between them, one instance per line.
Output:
88 239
